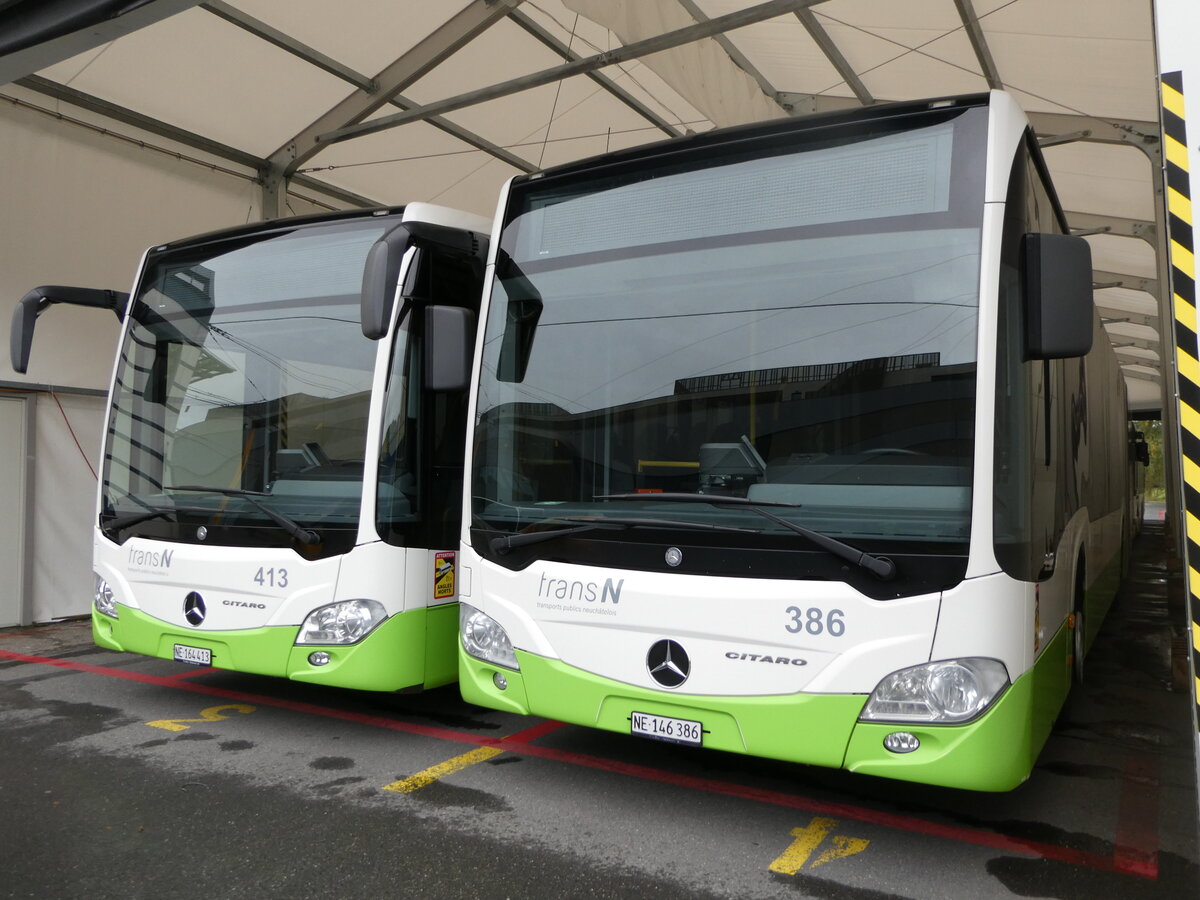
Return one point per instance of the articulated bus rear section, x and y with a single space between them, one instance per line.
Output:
282 463
800 440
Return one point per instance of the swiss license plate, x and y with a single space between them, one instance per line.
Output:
665 728
194 656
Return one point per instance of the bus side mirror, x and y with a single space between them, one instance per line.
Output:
1141 452
37 301
381 274
1058 296
449 346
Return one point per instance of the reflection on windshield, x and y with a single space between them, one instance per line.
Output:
245 369
825 361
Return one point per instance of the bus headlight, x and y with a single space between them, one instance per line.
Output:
948 692
345 622
483 638
104 601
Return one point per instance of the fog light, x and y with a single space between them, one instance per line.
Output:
901 742
318 658
500 681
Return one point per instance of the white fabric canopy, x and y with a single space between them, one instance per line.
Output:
248 84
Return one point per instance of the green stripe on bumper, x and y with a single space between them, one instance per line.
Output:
410 649
994 753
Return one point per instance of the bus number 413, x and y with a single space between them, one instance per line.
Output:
276 578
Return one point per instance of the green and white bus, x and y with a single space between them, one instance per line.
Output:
282 466
799 440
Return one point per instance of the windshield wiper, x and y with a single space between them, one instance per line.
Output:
291 526
879 566
116 523
566 525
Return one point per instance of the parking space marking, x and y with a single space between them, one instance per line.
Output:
433 773
808 839
519 743
212 714
478 755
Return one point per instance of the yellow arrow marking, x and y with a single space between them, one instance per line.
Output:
842 847
433 773
212 714
807 840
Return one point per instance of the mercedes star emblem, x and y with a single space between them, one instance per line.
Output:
194 609
668 663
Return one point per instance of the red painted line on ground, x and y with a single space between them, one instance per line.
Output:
39 631
541 729
520 743
1136 841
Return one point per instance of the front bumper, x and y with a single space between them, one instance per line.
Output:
996 752
409 649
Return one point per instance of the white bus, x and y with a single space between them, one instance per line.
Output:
282 465
800 440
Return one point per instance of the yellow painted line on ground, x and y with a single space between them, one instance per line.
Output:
842 847
807 840
433 773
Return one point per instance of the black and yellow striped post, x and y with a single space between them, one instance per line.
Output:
1183 304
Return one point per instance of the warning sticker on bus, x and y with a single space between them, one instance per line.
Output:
443 575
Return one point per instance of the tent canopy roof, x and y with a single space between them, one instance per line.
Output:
294 94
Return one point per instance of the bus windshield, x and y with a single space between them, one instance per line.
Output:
789 319
242 389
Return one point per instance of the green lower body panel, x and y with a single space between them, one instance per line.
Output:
996 752
414 649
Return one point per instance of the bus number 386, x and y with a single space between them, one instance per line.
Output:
816 621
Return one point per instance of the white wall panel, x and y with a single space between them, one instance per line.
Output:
64 489
14 445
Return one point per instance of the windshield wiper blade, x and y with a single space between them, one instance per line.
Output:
577 524
116 523
291 526
879 566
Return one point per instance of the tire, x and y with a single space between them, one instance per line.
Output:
1079 631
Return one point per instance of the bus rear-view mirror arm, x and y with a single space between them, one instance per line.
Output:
34 303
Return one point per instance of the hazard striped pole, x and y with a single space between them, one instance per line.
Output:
1183 303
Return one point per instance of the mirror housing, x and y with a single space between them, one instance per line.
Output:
1059 310
381 272
37 301
449 347
1141 449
